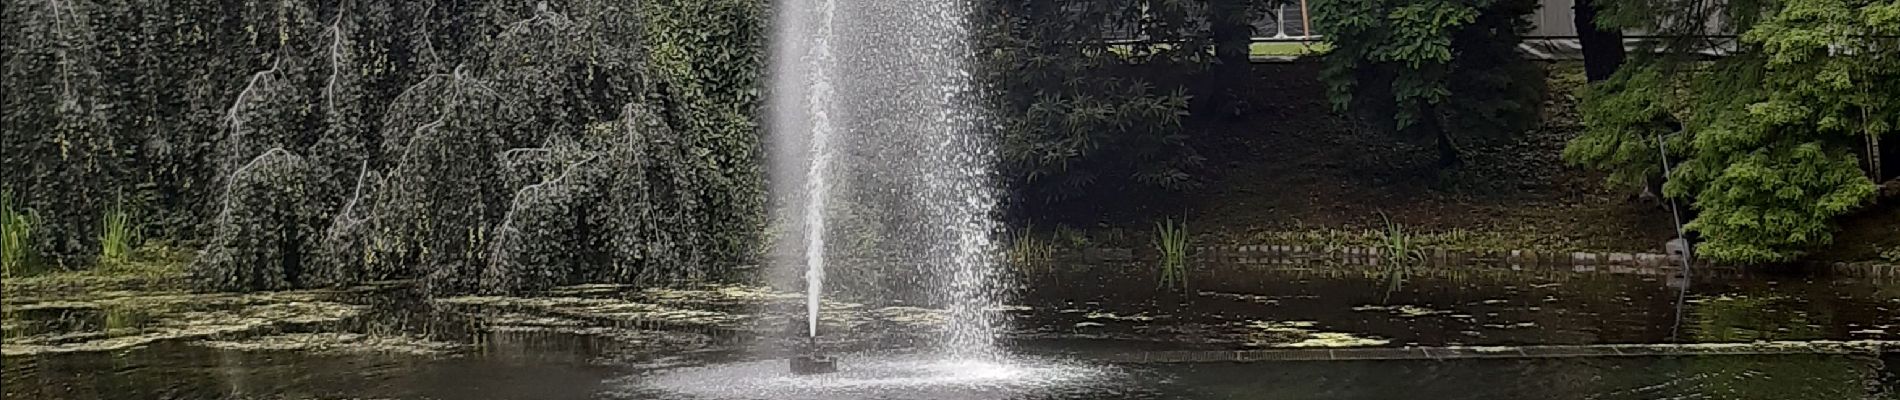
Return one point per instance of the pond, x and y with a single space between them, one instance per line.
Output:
1294 332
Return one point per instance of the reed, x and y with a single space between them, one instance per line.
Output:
1398 246
1172 240
16 235
1028 253
118 234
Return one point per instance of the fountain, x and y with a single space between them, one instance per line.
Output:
873 109
882 168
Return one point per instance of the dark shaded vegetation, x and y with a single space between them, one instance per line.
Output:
1447 70
327 143
1082 115
1293 168
1443 76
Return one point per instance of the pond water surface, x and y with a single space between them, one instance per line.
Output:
1072 340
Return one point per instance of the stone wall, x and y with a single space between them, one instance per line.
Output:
1655 264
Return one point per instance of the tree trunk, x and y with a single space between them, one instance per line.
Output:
1227 20
1232 36
1873 141
1448 156
1602 49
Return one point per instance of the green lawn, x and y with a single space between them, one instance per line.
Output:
1273 49
1285 49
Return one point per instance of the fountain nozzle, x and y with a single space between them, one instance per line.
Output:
810 361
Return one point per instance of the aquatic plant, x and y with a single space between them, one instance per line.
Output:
118 234
1172 241
140 319
1398 254
16 236
1397 246
1027 253
339 343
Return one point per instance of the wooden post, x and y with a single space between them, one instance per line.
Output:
1306 22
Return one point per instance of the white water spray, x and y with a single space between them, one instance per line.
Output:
817 103
877 148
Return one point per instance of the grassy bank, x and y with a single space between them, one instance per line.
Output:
146 269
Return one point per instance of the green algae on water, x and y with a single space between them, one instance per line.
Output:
168 317
338 343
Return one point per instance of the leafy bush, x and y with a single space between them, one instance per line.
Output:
1624 119
1769 140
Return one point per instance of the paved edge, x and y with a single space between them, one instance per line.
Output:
1507 352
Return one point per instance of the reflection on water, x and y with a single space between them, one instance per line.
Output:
1480 306
889 377
1714 377
1084 313
560 368
550 369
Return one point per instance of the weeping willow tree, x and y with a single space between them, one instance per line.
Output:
480 145
60 157
1770 142
263 239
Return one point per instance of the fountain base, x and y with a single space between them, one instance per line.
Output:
810 360
813 364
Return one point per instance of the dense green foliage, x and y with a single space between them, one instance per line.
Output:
1768 141
706 58
517 145
321 143
263 239
1077 110
1441 69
